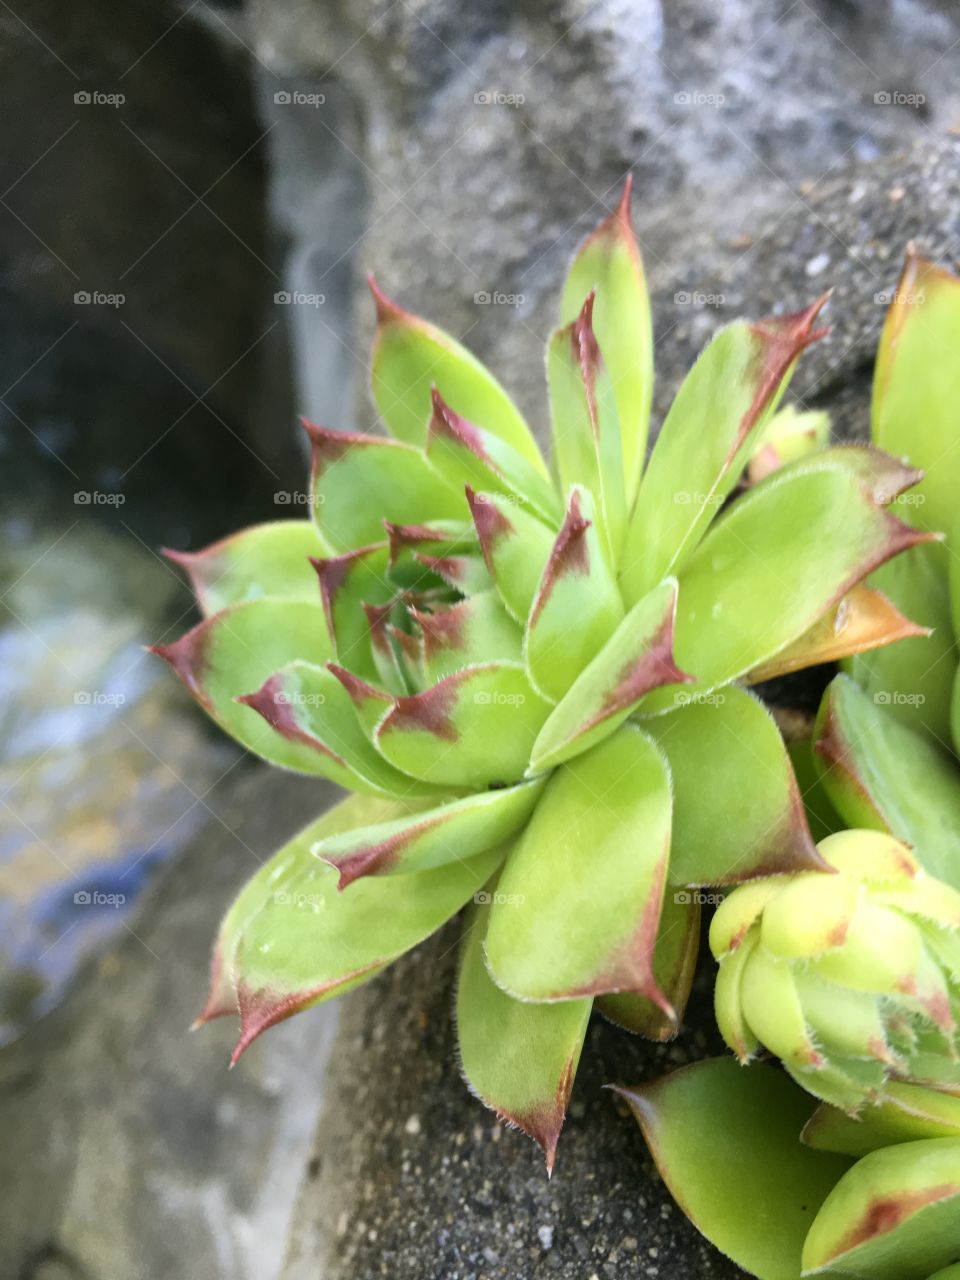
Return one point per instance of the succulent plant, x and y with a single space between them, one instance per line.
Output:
851 979
787 1193
534 679
889 727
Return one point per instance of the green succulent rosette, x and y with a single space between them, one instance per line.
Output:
534 680
852 979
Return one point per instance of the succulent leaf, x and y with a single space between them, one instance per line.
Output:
264 560
638 657
397 482
577 606
410 356
466 454
309 707
519 1058
580 897
304 941
916 386
905 1113
894 1216
233 652
861 620
609 263
724 1139
760 579
722 831
881 774
586 429
913 680
471 631
515 546
452 833
347 583
674 963
721 408
443 734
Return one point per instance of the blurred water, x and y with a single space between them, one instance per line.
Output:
103 764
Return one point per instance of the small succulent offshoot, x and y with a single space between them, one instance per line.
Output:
535 680
851 980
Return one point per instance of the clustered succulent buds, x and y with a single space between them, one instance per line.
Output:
851 979
533 679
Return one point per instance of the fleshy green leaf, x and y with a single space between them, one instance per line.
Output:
586 430
347 582
674 963
724 831
360 481
758 580
451 833
894 1216
724 1139
265 560
233 652
292 940
709 433
863 619
515 546
904 1113
916 388
221 999
609 262
880 774
518 1058
466 454
307 705
638 657
475 630
948 1273
410 356
914 678
577 607
444 735
583 888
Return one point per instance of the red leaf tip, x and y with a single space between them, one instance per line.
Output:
387 310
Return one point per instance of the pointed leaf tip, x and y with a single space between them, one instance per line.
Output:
387 309
187 657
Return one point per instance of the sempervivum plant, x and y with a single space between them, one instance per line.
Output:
850 979
532 677
888 733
